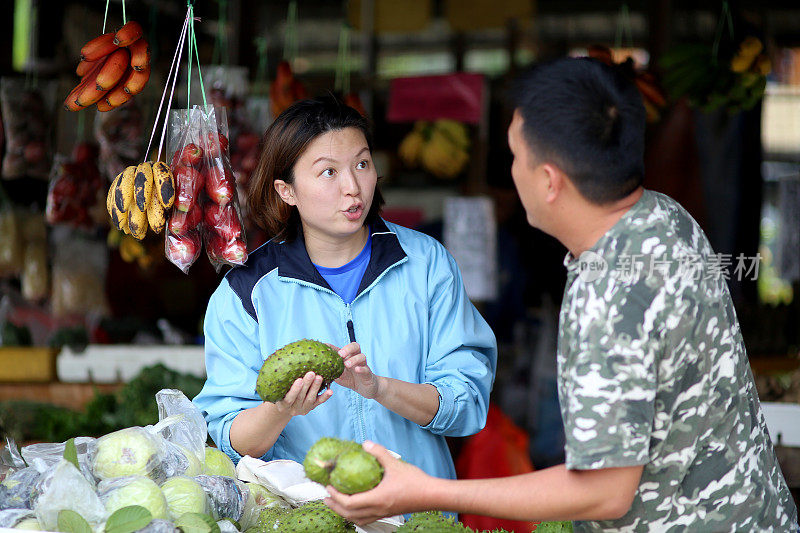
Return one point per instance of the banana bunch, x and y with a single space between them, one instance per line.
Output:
114 67
139 197
442 148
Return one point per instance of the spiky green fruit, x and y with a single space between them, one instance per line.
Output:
270 519
321 457
293 361
315 517
355 471
432 522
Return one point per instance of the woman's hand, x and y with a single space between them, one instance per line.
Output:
303 396
357 374
401 490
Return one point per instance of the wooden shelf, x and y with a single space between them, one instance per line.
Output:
70 395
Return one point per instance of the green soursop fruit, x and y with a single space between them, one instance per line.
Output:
270 519
356 471
321 457
293 361
314 517
432 522
554 527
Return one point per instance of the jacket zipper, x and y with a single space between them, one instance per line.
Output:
360 409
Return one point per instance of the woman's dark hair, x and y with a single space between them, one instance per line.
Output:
588 119
282 145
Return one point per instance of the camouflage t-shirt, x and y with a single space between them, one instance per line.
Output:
653 371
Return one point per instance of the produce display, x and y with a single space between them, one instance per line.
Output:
441 147
114 67
312 517
293 361
285 89
26 121
733 79
75 190
206 204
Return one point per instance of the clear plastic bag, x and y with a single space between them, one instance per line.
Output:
67 488
11 245
11 517
75 194
121 136
188 429
35 277
258 499
21 489
159 526
27 119
129 451
46 455
79 275
205 184
184 495
226 496
119 492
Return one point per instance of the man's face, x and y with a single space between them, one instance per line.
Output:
526 173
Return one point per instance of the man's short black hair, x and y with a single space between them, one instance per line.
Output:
588 119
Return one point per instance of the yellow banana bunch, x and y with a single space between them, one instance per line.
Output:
410 148
455 131
748 51
130 249
442 147
139 197
443 158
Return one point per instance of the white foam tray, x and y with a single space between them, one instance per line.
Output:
115 363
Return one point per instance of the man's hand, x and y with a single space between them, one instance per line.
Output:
303 396
401 490
357 374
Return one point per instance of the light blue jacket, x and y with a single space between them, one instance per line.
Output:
411 317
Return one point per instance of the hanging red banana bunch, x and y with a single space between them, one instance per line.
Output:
113 68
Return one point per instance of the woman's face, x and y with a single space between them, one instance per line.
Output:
334 182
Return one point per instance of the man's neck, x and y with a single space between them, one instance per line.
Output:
583 231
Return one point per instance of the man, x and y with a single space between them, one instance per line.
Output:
664 430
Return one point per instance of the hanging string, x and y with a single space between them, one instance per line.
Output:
261 49
176 64
342 80
176 61
105 16
220 54
290 34
623 26
197 58
124 18
725 18
189 60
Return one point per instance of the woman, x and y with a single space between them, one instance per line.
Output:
336 272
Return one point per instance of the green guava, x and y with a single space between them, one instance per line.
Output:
218 464
184 495
139 490
127 452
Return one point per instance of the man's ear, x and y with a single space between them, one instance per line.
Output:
285 191
555 182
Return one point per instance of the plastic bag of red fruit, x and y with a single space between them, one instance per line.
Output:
206 208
